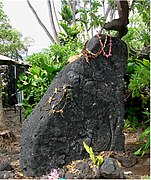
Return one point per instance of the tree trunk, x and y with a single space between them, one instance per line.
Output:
56 15
120 24
73 11
40 22
91 18
52 21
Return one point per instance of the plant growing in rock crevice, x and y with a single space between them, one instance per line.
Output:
97 160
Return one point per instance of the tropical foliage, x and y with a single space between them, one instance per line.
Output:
137 88
12 43
138 71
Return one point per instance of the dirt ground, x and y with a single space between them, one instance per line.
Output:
9 151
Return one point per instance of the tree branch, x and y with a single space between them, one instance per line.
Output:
52 21
40 22
73 11
121 23
56 15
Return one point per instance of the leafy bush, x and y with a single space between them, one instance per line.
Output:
138 93
90 17
138 70
34 84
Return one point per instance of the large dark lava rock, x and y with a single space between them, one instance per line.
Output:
85 102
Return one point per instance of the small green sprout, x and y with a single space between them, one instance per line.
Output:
97 160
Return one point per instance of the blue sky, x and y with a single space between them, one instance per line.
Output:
22 19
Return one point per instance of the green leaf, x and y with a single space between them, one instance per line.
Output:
142 150
147 113
90 151
144 134
86 147
99 160
138 151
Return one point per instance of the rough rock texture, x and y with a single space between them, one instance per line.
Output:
127 161
111 170
85 102
6 175
5 167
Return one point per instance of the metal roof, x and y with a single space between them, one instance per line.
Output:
4 60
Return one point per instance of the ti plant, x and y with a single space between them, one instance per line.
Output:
143 149
97 160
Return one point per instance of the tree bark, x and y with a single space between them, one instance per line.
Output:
40 22
91 18
73 11
121 23
52 21
56 15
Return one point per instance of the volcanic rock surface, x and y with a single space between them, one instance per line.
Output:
84 103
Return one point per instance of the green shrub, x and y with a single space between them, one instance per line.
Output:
137 92
137 108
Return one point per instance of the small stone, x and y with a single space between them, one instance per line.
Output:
125 162
147 162
83 167
6 175
97 172
111 170
61 172
129 161
133 158
83 170
69 175
5 167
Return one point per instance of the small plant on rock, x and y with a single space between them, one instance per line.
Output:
97 160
